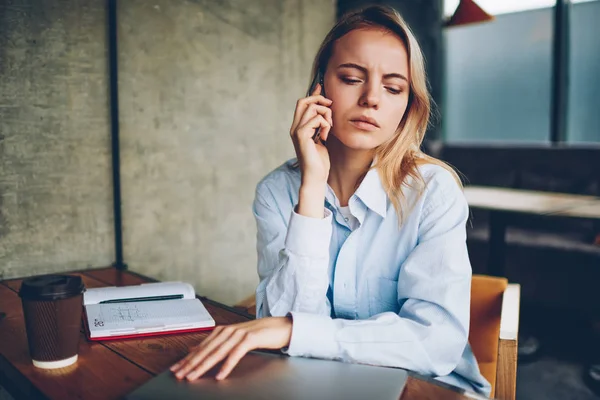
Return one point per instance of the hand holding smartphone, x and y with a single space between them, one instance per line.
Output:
317 136
314 110
309 131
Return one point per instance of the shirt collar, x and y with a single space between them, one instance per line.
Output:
372 194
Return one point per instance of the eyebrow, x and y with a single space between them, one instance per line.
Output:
364 70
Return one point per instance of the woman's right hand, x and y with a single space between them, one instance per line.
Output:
311 113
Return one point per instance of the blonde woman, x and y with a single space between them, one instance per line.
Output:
361 240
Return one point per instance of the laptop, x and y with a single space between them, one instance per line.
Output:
261 375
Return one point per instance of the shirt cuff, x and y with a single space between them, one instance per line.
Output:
309 237
313 335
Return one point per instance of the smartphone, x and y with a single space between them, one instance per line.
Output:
319 80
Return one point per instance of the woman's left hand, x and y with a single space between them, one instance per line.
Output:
233 342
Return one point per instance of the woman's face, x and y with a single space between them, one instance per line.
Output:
367 78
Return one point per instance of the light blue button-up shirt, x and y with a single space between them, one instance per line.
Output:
383 294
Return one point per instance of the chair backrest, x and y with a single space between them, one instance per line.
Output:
484 331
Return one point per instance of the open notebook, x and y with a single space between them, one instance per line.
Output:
143 310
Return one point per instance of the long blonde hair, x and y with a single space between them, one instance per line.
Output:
398 158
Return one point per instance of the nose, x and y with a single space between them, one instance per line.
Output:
371 96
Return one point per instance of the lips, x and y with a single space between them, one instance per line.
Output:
365 123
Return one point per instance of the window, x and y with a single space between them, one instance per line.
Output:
499 75
583 117
498 78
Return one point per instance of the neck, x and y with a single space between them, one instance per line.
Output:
348 168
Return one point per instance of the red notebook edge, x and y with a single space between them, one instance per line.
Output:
136 335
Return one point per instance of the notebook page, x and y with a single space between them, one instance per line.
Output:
188 313
144 290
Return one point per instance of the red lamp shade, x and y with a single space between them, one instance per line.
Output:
468 12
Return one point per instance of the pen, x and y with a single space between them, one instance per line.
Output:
151 298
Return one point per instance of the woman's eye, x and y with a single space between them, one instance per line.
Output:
351 81
393 90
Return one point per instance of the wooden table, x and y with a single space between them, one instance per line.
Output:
523 201
111 369
589 210
504 202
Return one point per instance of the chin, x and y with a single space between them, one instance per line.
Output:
359 140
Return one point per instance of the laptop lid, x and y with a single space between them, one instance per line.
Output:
264 376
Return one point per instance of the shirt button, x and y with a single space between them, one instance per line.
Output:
346 219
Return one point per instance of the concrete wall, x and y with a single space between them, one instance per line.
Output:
207 93
55 190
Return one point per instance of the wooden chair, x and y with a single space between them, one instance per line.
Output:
493 332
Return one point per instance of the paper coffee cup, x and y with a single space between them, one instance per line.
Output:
52 307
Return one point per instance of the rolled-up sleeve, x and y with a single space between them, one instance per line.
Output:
293 258
429 333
